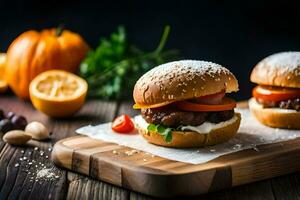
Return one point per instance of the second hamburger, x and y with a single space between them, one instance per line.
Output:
276 101
183 104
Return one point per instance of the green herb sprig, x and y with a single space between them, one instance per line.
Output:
112 69
162 130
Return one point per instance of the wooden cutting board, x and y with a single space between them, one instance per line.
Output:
156 176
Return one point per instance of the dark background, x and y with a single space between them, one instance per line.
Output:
236 34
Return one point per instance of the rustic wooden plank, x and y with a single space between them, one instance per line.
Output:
138 196
286 187
18 179
15 181
82 187
261 190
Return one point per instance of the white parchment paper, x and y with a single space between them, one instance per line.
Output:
251 133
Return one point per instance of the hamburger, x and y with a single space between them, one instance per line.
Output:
276 99
183 104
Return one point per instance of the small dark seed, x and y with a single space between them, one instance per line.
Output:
19 122
6 125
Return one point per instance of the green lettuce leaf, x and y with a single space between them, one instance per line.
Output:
166 132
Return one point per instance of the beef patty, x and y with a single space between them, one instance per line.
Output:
286 104
173 118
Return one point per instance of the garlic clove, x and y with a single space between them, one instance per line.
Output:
16 137
37 130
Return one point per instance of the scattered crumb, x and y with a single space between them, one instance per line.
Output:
131 152
38 171
115 152
46 173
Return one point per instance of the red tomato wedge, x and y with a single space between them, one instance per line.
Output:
269 93
226 104
122 124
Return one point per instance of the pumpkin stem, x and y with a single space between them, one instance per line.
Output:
59 30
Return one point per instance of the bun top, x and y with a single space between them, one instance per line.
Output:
180 80
280 69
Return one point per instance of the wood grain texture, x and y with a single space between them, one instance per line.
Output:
164 178
15 181
82 187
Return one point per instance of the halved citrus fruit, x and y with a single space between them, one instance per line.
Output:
3 86
58 93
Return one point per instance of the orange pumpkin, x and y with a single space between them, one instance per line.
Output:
35 52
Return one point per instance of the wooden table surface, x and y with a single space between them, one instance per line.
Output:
19 165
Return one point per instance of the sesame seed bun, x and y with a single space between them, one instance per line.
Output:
189 139
275 117
280 69
181 80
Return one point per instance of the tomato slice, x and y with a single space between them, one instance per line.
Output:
226 104
269 93
123 124
210 99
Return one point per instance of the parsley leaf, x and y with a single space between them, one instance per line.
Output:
162 130
168 135
112 69
152 127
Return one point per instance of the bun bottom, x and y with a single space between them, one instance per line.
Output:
188 139
275 117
